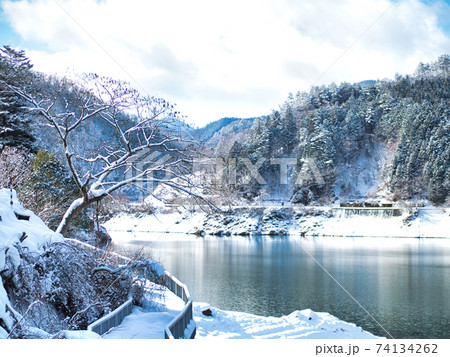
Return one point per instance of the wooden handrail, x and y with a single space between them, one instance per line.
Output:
113 319
177 327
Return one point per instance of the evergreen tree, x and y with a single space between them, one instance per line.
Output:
14 121
51 182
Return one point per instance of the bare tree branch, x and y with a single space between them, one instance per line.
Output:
146 149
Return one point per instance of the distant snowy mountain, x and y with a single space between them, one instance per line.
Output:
220 135
221 127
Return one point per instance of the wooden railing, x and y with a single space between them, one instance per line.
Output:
113 319
183 325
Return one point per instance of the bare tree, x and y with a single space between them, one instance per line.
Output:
146 149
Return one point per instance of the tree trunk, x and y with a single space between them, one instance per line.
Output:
70 214
73 210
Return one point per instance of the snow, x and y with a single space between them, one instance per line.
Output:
364 175
80 335
11 229
141 324
430 222
157 268
2 258
174 222
14 257
150 322
113 314
97 190
297 325
78 202
4 316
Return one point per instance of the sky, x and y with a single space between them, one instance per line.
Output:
233 58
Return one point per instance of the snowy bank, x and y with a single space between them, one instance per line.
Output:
312 221
297 325
426 222
52 288
176 222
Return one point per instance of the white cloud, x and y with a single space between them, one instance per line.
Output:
229 58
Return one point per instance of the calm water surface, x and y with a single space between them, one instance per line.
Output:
403 283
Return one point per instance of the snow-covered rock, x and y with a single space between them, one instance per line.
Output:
32 234
236 222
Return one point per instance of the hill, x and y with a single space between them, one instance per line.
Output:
387 139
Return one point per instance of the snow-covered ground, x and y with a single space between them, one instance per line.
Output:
176 222
299 324
430 222
149 323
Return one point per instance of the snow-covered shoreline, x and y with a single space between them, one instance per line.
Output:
425 222
304 324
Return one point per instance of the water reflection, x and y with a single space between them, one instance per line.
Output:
404 283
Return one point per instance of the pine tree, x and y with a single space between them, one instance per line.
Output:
14 122
289 133
51 182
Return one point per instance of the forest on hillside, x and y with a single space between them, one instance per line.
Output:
400 127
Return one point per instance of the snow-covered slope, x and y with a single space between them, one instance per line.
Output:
16 234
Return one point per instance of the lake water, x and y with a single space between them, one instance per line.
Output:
403 283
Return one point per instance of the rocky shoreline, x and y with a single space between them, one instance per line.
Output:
259 221
409 222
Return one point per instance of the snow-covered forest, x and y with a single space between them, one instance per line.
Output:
384 138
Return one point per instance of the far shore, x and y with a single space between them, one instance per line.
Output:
426 222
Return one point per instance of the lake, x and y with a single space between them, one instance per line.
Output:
402 283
